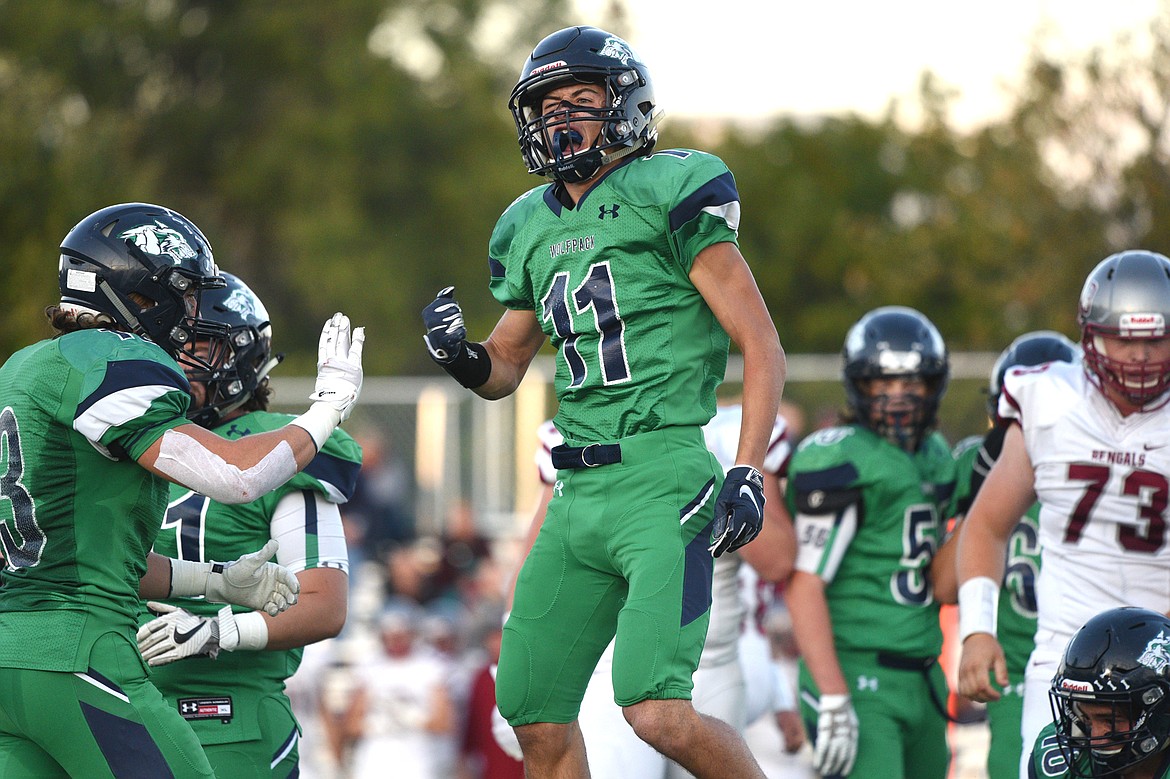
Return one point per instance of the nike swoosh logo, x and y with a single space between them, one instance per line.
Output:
1152 447
182 637
745 491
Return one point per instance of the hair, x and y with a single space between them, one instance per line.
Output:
261 397
65 320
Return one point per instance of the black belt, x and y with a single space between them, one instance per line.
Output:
589 456
921 665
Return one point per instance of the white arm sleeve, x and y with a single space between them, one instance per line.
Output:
186 461
309 530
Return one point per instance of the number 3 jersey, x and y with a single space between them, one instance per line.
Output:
638 347
868 521
1102 482
77 515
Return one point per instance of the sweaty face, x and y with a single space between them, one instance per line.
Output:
570 115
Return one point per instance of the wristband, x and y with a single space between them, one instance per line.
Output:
319 422
251 631
978 607
189 579
471 367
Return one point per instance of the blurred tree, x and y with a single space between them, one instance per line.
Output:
354 156
344 156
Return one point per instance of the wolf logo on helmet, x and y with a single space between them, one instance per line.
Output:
161 241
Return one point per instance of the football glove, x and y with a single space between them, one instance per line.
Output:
253 582
446 336
339 366
739 510
836 746
177 633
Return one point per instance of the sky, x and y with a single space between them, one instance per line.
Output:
762 58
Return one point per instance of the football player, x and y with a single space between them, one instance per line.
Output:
93 424
237 703
1110 701
1090 443
721 680
974 458
628 262
869 498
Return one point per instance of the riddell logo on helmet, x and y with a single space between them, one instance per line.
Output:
549 66
1075 686
1146 324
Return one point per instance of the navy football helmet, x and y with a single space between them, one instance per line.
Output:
1119 661
144 268
584 55
240 358
890 342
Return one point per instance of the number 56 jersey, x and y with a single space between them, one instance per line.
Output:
1102 482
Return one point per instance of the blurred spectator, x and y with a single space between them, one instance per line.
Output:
378 517
481 755
401 714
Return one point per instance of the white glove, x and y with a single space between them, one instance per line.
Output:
178 633
836 746
253 582
339 366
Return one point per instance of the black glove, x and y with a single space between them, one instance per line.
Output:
739 510
446 337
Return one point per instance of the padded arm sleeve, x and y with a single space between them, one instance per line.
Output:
186 461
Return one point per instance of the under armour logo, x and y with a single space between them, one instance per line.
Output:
611 211
867 683
559 489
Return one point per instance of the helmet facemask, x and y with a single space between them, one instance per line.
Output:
1134 718
1139 383
902 419
236 360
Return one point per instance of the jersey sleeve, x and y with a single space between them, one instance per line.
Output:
509 284
705 209
333 472
309 529
129 398
825 498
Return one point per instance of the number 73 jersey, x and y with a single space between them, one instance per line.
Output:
638 347
1102 482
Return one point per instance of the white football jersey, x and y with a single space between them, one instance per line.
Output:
1103 482
728 609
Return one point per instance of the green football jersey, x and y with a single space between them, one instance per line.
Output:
1017 598
77 515
868 519
638 347
199 529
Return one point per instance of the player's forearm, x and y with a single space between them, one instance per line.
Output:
155 584
813 629
764 369
319 614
